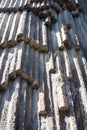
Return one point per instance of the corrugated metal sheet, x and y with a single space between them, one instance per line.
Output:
43 65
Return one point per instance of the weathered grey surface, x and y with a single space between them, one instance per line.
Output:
43 65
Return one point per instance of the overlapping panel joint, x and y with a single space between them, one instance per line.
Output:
43 65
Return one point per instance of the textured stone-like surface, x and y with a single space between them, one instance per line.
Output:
43 65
